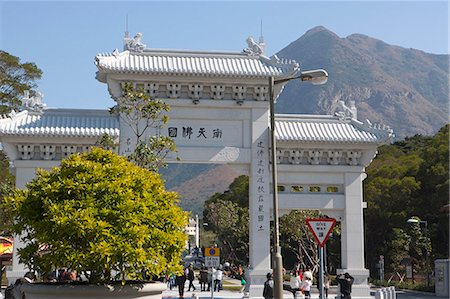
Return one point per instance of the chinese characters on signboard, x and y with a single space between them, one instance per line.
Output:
260 179
188 132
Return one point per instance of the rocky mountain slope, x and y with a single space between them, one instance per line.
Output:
194 192
406 89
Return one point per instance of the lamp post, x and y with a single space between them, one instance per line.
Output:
416 220
315 77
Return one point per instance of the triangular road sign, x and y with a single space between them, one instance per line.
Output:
321 228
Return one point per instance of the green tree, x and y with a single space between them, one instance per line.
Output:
389 190
408 178
141 113
397 250
15 78
230 223
6 188
227 216
434 194
296 237
419 247
96 213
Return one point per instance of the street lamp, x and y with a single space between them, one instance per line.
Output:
416 220
315 77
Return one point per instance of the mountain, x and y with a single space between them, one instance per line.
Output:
406 89
177 173
195 191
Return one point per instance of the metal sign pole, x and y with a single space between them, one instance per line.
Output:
321 272
212 283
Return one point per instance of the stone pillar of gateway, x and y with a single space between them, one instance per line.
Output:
219 114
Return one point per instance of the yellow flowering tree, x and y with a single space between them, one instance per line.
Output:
99 214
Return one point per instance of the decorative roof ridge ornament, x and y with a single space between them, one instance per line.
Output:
346 113
34 103
134 44
254 48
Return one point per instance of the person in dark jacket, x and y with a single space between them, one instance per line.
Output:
191 277
345 282
180 281
268 287
203 278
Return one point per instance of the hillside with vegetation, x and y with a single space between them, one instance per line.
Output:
198 188
408 178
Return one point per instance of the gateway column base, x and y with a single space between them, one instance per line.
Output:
257 279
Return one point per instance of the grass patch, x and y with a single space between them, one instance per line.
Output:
232 287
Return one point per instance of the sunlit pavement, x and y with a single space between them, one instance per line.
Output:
224 294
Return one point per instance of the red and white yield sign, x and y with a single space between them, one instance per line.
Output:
321 228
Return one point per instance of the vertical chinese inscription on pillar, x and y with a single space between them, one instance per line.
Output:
260 177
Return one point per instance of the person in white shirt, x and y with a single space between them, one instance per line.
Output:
218 275
295 283
308 274
305 287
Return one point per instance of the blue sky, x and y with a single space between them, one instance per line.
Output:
63 37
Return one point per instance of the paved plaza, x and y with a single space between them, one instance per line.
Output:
224 294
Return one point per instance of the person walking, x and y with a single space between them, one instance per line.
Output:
210 279
345 282
191 277
243 281
268 287
180 281
326 283
295 283
171 280
218 276
305 287
203 279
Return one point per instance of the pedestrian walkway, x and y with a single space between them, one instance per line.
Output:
227 294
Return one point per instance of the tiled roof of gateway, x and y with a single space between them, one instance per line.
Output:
95 123
171 62
328 129
61 122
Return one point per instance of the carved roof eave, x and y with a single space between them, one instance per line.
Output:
25 124
321 131
385 134
231 65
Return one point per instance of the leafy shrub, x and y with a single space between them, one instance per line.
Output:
99 214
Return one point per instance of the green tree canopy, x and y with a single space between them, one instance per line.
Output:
141 112
96 213
227 215
6 188
296 237
408 178
15 78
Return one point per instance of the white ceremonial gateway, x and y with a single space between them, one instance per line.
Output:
220 114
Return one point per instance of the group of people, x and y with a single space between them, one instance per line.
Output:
302 281
206 278
61 275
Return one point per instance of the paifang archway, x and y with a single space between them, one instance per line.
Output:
220 114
